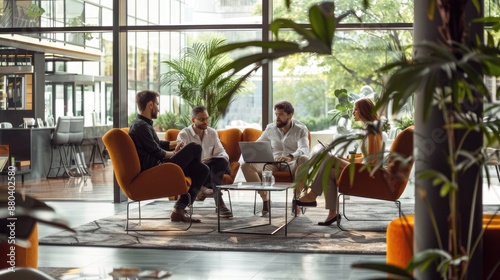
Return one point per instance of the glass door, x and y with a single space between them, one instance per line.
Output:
63 99
49 104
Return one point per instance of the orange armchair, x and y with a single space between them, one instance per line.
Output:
386 183
146 185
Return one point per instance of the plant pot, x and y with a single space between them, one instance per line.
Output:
20 256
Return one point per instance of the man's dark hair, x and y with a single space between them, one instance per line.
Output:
198 109
142 98
285 106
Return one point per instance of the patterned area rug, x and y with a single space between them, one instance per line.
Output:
304 235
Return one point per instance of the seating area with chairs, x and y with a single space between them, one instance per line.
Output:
386 183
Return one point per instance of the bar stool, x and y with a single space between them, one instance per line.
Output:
75 143
60 138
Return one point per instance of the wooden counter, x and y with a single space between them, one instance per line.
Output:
31 144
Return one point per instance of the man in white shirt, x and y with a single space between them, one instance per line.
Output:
290 142
213 153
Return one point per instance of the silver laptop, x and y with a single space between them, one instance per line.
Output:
260 152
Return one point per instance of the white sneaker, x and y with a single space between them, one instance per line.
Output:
204 193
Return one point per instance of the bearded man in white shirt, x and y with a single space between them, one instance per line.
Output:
289 140
213 153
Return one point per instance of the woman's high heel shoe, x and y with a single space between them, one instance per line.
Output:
331 221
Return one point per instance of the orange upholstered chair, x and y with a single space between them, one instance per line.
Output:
160 181
229 139
386 183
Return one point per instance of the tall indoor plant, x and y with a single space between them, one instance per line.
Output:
189 75
446 75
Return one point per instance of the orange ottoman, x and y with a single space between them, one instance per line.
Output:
400 243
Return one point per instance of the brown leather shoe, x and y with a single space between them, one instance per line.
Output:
181 215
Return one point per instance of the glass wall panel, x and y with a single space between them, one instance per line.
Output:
91 68
70 101
153 11
74 67
107 17
91 105
149 61
49 102
196 12
153 63
141 63
352 66
491 8
59 101
79 99
74 13
309 81
381 11
92 18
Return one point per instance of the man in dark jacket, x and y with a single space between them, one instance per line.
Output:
153 151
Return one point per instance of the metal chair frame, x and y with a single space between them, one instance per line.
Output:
397 202
140 218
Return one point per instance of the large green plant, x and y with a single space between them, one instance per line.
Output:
448 80
169 120
190 73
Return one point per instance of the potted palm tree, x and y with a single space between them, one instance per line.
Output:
189 75
446 76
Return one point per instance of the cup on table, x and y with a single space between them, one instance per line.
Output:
267 178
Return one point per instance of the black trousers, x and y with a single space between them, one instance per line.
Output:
218 167
189 159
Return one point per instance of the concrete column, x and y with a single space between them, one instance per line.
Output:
431 143
119 77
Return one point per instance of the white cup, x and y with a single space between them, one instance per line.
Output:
267 178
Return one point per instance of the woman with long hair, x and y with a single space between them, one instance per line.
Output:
370 145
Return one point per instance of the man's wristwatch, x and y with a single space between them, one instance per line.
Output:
290 155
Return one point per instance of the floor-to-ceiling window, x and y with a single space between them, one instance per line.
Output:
165 28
